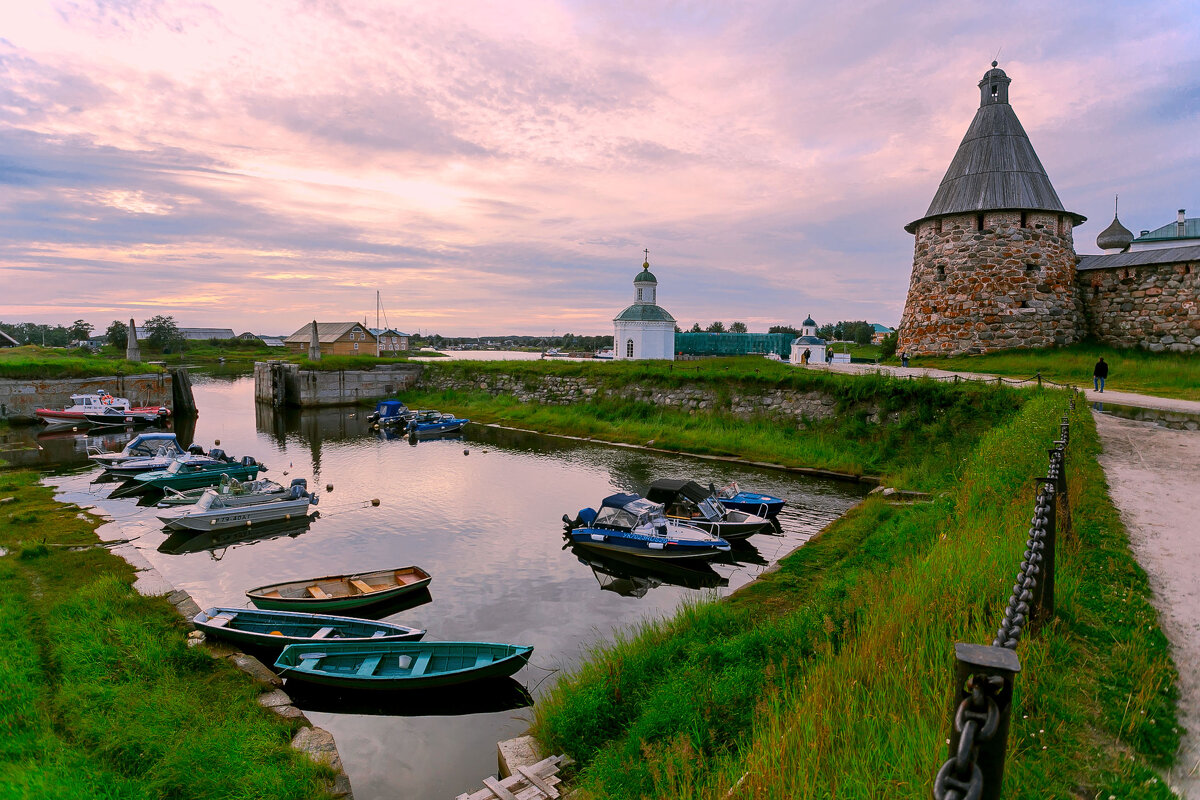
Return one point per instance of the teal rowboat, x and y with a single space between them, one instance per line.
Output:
191 474
277 629
399 665
338 592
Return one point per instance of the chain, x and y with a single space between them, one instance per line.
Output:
976 721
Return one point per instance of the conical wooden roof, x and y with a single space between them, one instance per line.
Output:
995 167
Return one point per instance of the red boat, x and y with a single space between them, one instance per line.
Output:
93 405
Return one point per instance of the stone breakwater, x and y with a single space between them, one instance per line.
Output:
566 390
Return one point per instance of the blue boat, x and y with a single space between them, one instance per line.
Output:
633 525
764 505
435 422
278 629
400 665
391 412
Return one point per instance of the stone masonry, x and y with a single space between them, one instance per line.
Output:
1156 307
991 281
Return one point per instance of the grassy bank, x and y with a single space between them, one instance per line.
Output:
102 697
1162 374
31 362
931 423
830 677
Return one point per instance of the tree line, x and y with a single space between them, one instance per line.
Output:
859 331
161 333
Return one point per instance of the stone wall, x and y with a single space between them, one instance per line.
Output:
281 383
993 281
20 398
1153 306
565 390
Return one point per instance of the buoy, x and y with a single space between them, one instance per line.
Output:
276 633
74 428
374 501
247 523
216 441
212 522
285 472
329 487
287 516
466 452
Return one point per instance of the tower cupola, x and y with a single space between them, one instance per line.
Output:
1116 238
993 88
645 285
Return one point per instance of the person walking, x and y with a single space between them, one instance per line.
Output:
904 359
1099 373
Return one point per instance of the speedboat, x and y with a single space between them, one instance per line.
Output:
190 473
434 422
633 525
214 511
162 459
764 505
554 352
232 492
111 415
688 501
606 354
144 445
84 404
391 412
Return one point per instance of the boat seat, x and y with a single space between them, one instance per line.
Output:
317 592
362 586
482 659
368 667
378 634
220 620
323 632
422 664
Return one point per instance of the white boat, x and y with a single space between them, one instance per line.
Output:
233 492
144 445
606 354
212 512
84 404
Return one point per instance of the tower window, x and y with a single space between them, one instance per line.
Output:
629 348
639 294
941 271
1024 220
979 222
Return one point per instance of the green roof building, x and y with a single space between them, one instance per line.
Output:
644 330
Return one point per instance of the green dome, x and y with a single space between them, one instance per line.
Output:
809 322
645 276
644 312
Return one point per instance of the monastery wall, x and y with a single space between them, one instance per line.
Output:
1153 306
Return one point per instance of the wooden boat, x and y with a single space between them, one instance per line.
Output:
334 592
278 629
400 665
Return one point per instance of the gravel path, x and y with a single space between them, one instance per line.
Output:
1154 478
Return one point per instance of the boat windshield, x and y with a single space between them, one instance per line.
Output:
728 492
656 519
175 466
615 517
206 500
712 509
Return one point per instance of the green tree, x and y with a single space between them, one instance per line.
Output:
117 333
716 327
163 334
787 329
887 346
678 329
80 330
863 333
695 328
737 327
826 332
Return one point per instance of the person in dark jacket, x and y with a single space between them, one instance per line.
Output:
1099 374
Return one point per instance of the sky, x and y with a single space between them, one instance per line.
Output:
499 167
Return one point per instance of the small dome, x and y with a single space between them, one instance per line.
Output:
645 276
1115 237
809 321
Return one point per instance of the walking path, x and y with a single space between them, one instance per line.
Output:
1153 475
1118 398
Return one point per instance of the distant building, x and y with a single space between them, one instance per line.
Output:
8 341
337 339
1180 233
269 341
879 332
644 330
391 341
193 334
808 340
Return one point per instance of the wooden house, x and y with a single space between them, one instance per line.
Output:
337 339
391 341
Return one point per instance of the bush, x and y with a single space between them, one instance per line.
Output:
887 345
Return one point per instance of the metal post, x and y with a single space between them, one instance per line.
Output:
980 709
1039 377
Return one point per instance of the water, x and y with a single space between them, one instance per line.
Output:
486 525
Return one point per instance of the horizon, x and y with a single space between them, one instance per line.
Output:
490 167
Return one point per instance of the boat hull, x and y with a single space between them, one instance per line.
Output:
761 504
400 665
278 629
193 480
645 546
237 516
729 529
339 590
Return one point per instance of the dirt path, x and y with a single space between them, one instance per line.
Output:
1154 477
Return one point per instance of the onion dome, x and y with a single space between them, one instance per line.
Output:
645 276
809 322
1115 237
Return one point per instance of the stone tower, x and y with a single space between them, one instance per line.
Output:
994 259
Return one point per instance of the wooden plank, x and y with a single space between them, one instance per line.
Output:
498 790
422 663
533 778
323 632
367 668
317 592
362 586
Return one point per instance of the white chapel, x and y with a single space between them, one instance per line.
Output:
644 330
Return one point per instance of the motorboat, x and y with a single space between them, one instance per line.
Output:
435 422
161 460
214 511
391 412
633 525
278 629
333 592
144 445
554 352
688 501
764 505
98 403
606 354
231 490
188 472
116 417
400 665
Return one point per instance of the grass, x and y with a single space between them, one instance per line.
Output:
334 363
928 422
1164 374
40 363
102 696
830 677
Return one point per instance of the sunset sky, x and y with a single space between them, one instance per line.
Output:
498 167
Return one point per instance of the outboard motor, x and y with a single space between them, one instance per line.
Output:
218 454
248 461
301 482
196 450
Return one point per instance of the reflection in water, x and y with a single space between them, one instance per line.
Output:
478 697
486 527
216 543
634 577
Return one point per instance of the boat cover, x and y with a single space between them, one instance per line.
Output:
619 500
664 491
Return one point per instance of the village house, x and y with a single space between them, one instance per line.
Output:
336 339
391 341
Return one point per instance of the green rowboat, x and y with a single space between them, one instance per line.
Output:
399 665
